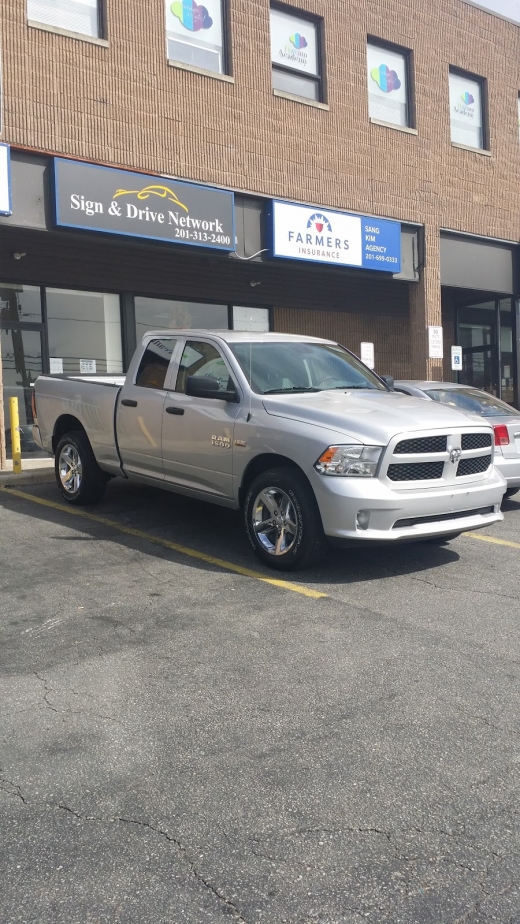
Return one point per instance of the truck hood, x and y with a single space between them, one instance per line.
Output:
372 417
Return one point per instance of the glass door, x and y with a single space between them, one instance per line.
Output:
477 331
21 351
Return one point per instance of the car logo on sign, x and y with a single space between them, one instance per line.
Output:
455 455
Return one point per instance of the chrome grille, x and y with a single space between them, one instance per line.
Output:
473 466
415 471
475 441
422 444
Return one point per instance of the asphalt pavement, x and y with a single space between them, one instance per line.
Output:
182 741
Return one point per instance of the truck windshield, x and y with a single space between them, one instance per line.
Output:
290 367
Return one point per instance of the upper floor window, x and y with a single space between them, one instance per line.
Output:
388 84
518 110
467 110
195 33
82 16
295 54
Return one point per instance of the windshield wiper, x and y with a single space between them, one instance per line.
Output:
350 388
295 388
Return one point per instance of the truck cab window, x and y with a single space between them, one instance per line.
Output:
154 364
203 359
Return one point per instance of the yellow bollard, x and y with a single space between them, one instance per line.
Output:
16 445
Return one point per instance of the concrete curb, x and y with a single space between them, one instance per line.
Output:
36 476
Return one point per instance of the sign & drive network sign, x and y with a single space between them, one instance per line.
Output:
301 232
93 198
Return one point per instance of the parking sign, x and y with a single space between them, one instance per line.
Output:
456 358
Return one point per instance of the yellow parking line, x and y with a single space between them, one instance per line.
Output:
174 546
511 545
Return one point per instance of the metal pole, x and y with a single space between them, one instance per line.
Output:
15 435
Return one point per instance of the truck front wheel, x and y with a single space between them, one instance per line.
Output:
282 520
78 476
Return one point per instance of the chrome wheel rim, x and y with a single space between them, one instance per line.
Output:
70 469
275 521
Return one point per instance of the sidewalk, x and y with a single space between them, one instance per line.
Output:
34 471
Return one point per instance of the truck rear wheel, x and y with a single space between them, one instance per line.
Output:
78 476
282 520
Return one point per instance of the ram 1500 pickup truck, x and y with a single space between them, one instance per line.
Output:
295 431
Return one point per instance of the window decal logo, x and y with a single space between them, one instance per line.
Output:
192 16
163 191
386 79
318 222
467 99
299 41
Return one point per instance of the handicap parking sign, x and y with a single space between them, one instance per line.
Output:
456 358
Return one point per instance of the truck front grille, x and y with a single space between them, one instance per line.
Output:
415 471
459 515
473 466
475 441
421 444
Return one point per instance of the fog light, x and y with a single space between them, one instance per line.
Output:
362 519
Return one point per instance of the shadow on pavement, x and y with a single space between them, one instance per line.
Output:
218 531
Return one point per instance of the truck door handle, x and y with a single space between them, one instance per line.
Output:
128 402
175 410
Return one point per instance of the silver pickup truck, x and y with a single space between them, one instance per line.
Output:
294 431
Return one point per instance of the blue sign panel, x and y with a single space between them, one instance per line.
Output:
94 198
301 232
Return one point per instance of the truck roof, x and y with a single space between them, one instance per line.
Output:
237 336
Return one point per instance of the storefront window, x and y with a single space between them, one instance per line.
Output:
388 85
507 392
254 319
466 111
21 352
20 304
295 54
81 16
166 314
195 34
84 330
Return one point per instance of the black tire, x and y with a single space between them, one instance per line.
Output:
86 482
292 502
511 492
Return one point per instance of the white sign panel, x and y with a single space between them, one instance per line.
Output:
310 234
456 358
507 9
87 366
367 355
5 180
55 365
294 42
435 343
466 111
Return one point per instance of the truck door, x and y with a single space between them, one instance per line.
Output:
197 436
140 410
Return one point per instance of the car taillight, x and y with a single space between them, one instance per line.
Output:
33 403
501 435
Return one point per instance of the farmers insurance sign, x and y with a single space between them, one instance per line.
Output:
325 236
95 198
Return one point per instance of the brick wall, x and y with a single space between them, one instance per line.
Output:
124 105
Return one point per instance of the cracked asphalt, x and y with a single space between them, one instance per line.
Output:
180 743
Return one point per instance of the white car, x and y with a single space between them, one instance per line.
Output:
504 419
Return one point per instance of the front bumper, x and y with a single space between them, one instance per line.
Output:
341 499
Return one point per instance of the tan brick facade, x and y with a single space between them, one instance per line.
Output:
122 104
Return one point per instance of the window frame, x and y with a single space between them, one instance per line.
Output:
407 54
101 19
484 104
227 64
318 80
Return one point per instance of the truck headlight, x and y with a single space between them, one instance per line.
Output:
356 461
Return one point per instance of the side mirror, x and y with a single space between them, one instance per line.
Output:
207 386
388 380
